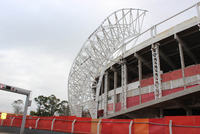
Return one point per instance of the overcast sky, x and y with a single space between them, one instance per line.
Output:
40 38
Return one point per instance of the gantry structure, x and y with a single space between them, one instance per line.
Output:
123 71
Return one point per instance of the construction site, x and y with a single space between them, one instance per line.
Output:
132 80
123 72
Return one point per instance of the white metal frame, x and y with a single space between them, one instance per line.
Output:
103 48
96 53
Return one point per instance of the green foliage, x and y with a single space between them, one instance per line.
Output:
50 105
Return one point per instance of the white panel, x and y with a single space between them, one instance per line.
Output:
191 80
118 90
166 85
133 85
145 90
177 83
110 93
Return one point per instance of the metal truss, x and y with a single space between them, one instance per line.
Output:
96 53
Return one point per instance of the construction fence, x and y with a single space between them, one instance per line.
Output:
72 124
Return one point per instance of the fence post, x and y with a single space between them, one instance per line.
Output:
52 124
98 127
36 123
130 127
1 122
72 131
11 123
170 127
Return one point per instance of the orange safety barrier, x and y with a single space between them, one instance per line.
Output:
72 124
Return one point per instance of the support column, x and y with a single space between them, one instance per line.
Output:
115 86
106 94
101 97
140 78
181 57
98 92
124 83
156 70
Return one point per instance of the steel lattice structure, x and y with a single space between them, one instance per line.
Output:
97 52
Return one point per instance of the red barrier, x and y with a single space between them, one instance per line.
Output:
113 126
180 125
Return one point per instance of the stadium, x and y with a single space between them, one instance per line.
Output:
125 71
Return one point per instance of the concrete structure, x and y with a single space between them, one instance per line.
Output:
157 76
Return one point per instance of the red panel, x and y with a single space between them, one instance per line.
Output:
82 125
147 97
157 129
17 121
6 122
110 107
132 101
45 123
192 70
111 126
183 120
166 92
198 69
170 91
30 122
147 82
62 126
118 106
174 75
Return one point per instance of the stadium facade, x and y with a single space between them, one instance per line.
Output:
123 71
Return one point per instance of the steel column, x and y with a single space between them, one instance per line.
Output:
115 86
181 58
24 114
140 78
156 71
106 82
124 83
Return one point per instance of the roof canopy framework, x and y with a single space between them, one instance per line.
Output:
97 52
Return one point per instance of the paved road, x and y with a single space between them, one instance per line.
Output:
5 133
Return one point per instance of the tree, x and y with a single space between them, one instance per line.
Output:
64 109
49 106
18 106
